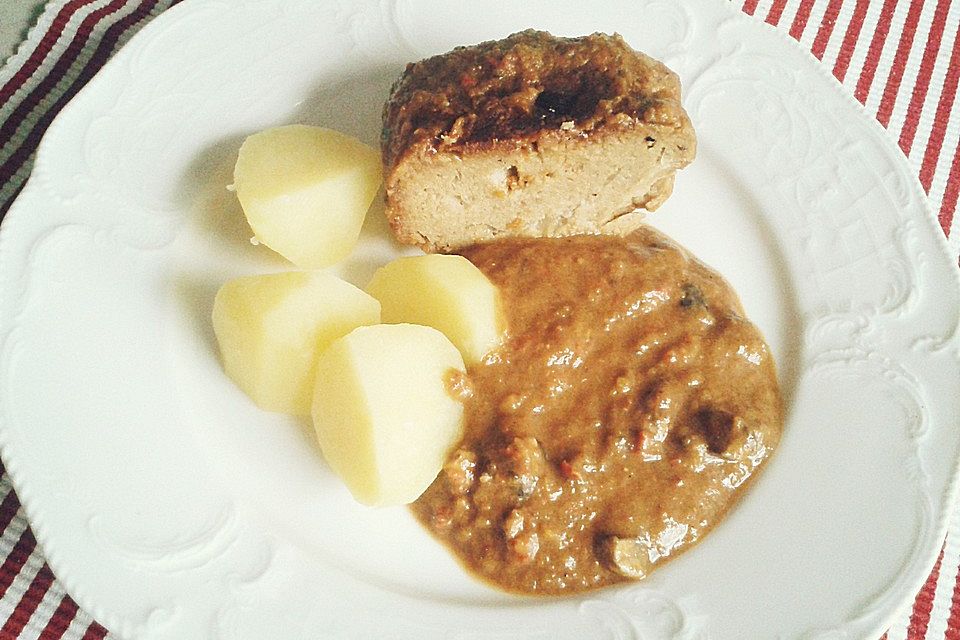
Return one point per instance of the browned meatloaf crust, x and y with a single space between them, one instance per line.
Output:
532 135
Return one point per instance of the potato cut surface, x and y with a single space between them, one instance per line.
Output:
305 191
446 292
384 412
271 329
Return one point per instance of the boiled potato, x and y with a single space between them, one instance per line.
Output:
383 410
271 328
445 292
305 191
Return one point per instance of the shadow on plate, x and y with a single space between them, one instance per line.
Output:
195 294
351 104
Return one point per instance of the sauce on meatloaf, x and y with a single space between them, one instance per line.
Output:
527 82
627 409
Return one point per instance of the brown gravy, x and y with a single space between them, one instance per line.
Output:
629 405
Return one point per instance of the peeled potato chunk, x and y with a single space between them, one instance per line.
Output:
446 292
305 191
271 328
383 410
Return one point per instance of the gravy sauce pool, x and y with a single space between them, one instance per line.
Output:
628 407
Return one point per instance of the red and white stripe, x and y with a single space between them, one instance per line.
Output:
32 604
72 41
900 58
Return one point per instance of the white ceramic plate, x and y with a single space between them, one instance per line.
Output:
172 508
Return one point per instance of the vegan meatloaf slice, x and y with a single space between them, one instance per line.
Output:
532 135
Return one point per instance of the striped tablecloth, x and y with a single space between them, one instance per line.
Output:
900 58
